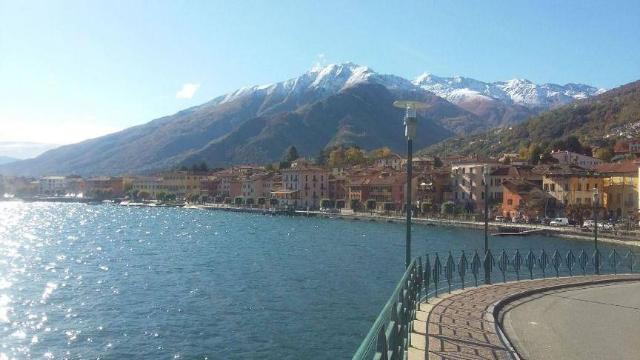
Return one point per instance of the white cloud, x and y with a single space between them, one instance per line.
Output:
187 91
320 62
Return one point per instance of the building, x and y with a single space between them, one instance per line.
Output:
571 185
433 187
52 185
304 185
393 161
182 183
387 190
151 185
338 189
620 181
502 173
105 187
525 200
467 182
572 158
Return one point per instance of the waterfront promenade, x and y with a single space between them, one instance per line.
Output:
469 324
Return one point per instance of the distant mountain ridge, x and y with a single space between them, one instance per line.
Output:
515 91
7 159
336 104
597 121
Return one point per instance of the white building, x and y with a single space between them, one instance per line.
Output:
572 158
52 185
467 183
393 161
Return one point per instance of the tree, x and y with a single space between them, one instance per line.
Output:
604 154
558 145
203 167
144 195
447 208
161 196
534 153
573 144
437 162
336 158
290 154
133 193
380 153
354 156
270 168
183 168
354 204
523 153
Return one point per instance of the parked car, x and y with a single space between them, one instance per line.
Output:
500 218
559 222
605 226
589 224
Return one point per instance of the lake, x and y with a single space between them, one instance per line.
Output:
104 281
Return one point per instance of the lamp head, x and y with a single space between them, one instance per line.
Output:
410 117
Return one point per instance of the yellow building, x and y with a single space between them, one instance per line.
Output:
182 183
621 189
572 185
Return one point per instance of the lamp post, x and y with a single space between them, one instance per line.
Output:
596 261
485 174
410 129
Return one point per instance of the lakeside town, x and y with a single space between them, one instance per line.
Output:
561 185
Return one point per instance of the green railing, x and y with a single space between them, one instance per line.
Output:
390 336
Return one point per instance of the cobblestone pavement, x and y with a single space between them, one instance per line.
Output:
461 325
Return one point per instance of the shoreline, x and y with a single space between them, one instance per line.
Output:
623 238
561 232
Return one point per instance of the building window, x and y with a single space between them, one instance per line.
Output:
510 202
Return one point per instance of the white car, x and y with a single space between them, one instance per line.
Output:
559 222
589 224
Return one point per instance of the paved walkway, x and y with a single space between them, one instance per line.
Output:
461 325
594 322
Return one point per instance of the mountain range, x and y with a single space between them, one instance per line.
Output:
339 104
597 121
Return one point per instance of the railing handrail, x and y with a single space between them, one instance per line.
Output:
384 314
442 272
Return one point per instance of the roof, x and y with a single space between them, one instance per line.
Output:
562 170
524 188
629 166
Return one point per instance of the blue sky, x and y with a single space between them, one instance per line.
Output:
71 70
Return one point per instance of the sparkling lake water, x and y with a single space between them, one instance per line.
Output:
81 281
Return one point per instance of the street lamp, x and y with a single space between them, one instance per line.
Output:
485 175
410 129
596 261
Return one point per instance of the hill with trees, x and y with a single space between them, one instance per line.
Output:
595 122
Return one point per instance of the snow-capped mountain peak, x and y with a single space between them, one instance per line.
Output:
333 78
515 91
328 79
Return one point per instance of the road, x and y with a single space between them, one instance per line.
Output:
597 322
